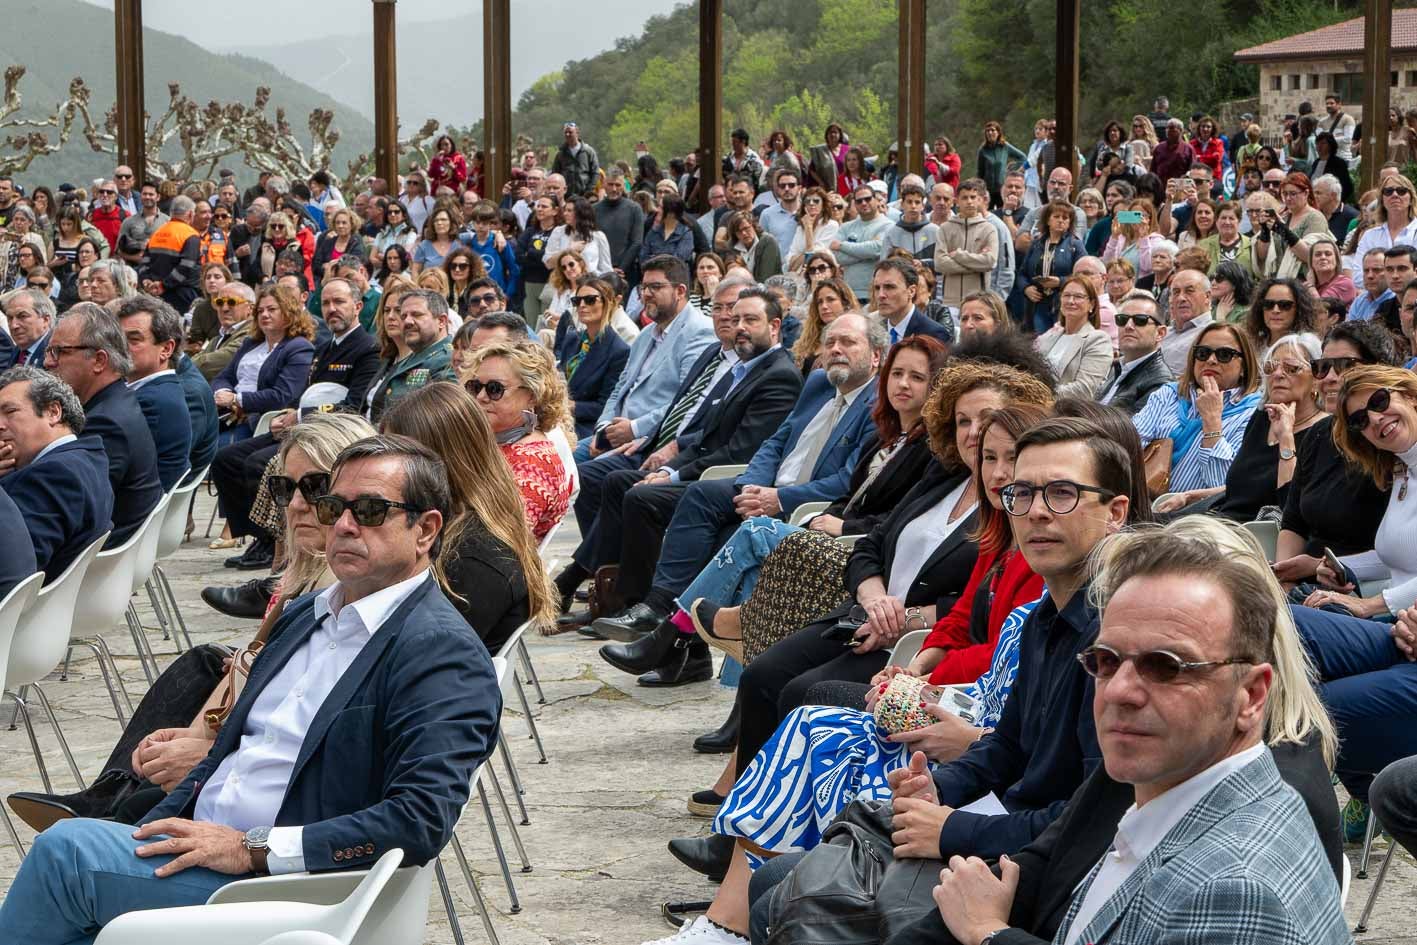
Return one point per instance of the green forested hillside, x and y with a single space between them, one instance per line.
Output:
800 63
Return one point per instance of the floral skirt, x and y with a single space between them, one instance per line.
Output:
800 581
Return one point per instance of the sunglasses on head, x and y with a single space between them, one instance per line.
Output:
1321 366
1141 321
311 486
1379 401
494 389
369 511
1274 367
1284 305
1155 666
1221 355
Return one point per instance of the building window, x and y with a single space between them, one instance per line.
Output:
1348 86
1314 81
1294 81
1276 83
1394 80
1411 77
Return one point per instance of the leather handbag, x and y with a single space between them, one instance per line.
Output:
604 600
1156 459
229 689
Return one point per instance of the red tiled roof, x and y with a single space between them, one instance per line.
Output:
1340 39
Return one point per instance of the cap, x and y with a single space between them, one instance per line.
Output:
879 186
64 188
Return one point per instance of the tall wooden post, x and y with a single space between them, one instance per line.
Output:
128 62
1377 84
1066 94
386 95
710 94
910 109
496 95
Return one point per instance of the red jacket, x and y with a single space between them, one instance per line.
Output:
1212 154
449 171
946 172
108 222
965 661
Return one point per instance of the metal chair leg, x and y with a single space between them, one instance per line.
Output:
448 901
476 893
511 824
98 655
517 789
159 611
140 641
497 847
24 712
530 719
113 665
1368 834
1362 925
59 733
530 670
176 608
10 830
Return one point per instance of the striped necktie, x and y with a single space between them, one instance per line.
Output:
669 429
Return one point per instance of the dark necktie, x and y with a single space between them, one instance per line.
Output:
23 356
669 429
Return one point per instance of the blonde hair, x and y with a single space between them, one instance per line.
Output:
321 437
1364 379
280 216
435 280
535 367
1206 546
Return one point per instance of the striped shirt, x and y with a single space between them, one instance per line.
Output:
1203 466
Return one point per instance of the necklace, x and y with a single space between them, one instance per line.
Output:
1401 470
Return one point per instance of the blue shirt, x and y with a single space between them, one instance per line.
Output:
1365 307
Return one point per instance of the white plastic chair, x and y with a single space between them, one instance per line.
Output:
806 510
41 640
263 425
323 394
1347 882
906 647
849 541
145 558
14 604
1267 534
517 642
724 471
258 909
169 539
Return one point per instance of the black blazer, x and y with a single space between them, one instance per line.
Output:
729 429
113 413
164 405
900 474
946 571
1136 387
485 574
66 501
17 560
354 362
596 376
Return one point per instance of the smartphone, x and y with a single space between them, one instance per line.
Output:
1331 560
602 440
1130 217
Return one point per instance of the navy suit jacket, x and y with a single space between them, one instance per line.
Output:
731 427
12 353
921 324
280 381
164 406
389 758
353 364
17 560
596 376
7 349
832 472
114 414
201 412
66 500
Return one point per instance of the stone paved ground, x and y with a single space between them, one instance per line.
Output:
602 809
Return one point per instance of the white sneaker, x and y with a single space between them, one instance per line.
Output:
700 932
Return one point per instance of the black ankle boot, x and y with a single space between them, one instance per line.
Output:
688 662
101 799
645 653
722 741
566 583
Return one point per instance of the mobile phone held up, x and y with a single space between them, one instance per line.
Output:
1129 217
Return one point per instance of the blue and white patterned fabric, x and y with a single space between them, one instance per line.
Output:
1194 465
822 758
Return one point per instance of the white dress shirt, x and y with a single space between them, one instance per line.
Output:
1142 829
919 539
248 369
1110 390
791 471
66 438
247 788
134 385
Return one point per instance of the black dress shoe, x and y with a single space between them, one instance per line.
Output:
720 742
590 633
688 662
645 653
710 856
631 625
100 799
246 601
259 556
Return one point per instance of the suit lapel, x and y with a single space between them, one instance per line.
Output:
841 433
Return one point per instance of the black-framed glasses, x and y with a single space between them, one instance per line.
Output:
1284 305
1321 366
459 266
1141 321
819 270
495 390
581 300
1061 496
485 298
311 485
653 286
1221 355
863 199
1272 185
1293 370
60 350
37 285
221 216
1155 666
1379 401
369 511
124 176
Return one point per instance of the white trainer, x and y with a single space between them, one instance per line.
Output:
700 932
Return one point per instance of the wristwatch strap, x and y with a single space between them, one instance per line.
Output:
260 857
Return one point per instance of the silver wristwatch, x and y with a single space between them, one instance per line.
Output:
257 843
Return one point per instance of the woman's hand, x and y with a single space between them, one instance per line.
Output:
1210 404
1050 283
1032 294
1295 569
1404 633
1281 422
1326 576
944 740
224 398
1364 607
885 617
879 682
826 524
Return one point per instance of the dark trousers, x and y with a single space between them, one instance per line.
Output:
701 523
776 682
589 502
1394 798
237 472
631 526
1370 690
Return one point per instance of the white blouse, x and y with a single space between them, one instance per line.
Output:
922 536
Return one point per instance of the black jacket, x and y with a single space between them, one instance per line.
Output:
354 363
1133 390
484 573
115 416
892 483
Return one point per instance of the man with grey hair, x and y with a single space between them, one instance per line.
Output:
423 318
171 267
31 316
245 240
1328 200
1173 157
57 477
622 221
1188 307
88 351
153 330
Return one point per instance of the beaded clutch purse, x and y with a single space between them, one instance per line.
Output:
901 708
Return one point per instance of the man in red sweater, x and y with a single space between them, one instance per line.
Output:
106 214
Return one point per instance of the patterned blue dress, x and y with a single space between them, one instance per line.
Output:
822 758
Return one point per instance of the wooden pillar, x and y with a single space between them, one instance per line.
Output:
1377 86
1066 93
710 95
128 62
496 95
386 95
910 109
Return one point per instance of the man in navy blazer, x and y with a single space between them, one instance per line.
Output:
201 412
31 316
809 459
88 350
153 330
57 478
895 288
358 731
17 560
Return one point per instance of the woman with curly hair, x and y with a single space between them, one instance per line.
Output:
277 355
462 266
831 297
1281 307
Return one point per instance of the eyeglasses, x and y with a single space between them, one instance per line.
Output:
311 485
1322 366
221 216
1141 321
494 389
459 266
108 193
863 199
486 298
226 300
1155 666
60 350
1272 185
1221 355
1284 305
394 211
653 286
788 184
1390 191
37 285
814 201
369 511
819 270
1357 420
1061 496
277 227
1288 367
581 300
124 176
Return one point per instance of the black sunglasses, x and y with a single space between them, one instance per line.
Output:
1061 496
581 300
38 285
1321 366
1389 191
1284 305
494 389
311 485
369 511
1141 321
486 298
459 266
1221 355
1379 401
1155 666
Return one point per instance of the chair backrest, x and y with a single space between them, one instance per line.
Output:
848 541
146 555
108 584
304 938
174 521
1347 881
907 646
321 394
725 471
263 425
1267 534
509 645
42 636
806 510
11 608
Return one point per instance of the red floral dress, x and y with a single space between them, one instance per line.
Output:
541 480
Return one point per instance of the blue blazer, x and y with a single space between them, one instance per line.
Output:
920 323
113 413
11 354
66 500
595 379
164 406
17 560
832 472
7 351
389 758
281 380
201 411
644 396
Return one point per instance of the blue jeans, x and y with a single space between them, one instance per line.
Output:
730 577
82 874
